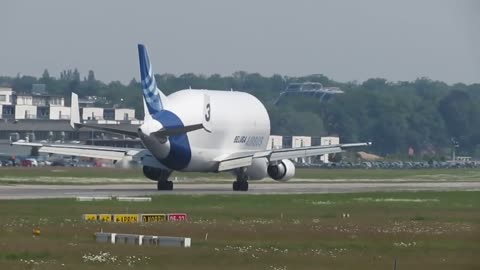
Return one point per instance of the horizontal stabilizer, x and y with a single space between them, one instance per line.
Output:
164 132
125 132
91 151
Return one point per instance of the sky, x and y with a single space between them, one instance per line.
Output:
344 40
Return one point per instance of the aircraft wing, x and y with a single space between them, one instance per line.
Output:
92 151
245 159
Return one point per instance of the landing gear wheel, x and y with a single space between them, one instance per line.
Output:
240 186
242 180
165 185
235 186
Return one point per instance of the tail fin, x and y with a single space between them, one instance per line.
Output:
154 99
74 111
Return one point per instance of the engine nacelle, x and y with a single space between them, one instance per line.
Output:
154 174
258 169
283 171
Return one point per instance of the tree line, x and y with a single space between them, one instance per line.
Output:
423 118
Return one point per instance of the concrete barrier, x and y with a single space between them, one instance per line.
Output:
145 240
134 199
90 199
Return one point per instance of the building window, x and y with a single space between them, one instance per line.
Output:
3 98
8 111
55 101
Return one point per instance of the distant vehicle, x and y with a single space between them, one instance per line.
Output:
33 161
7 163
26 163
58 162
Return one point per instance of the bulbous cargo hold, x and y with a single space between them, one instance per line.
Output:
239 122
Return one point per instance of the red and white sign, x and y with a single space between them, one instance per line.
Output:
177 216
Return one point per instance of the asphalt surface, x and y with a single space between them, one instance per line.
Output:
72 191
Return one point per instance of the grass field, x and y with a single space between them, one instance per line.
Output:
422 230
117 175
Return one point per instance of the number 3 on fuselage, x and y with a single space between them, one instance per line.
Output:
207 113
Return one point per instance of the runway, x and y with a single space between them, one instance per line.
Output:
71 191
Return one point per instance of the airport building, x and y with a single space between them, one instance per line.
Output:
42 117
276 142
39 105
328 141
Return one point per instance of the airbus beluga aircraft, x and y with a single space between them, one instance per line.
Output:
197 130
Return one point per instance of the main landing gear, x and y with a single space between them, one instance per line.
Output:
241 184
163 183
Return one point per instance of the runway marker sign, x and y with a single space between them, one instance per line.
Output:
126 218
90 217
154 217
134 218
177 217
105 217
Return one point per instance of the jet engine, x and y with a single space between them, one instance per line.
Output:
282 171
154 174
258 169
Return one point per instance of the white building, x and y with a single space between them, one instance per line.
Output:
274 142
91 113
302 141
6 96
40 105
25 112
59 113
328 141
6 103
124 114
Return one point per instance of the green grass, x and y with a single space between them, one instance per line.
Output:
423 230
115 175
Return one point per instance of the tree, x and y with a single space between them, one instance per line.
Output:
91 76
46 75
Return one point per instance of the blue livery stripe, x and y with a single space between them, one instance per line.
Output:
180 153
149 86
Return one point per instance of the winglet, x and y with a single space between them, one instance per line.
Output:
74 111
207 114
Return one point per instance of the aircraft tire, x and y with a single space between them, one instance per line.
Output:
240 186
165 185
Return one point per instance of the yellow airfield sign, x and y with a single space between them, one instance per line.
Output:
90 217
105 217
154 217
134 218
125 218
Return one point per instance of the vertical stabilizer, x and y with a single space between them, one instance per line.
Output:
154 99
146 113
74 111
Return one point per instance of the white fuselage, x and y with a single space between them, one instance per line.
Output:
239 123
